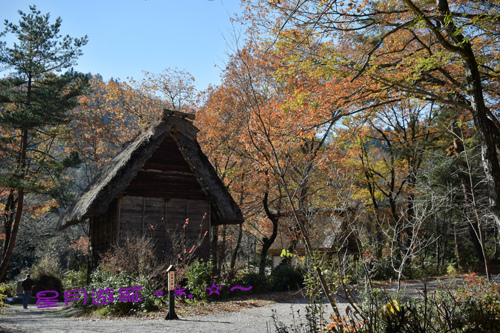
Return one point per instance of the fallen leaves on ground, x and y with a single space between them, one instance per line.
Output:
185 309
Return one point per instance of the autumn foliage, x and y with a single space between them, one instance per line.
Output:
359 136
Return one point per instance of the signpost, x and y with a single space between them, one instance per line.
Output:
171 300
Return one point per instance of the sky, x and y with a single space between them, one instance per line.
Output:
129 36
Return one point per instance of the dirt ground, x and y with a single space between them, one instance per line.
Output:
246 317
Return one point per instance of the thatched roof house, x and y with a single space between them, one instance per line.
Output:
155 184
330 230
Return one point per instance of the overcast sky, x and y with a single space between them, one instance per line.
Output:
129 36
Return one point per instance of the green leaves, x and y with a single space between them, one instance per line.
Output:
50 100
35 105
40 49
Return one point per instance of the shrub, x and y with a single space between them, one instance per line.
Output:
102 280
127 265
473 307
199 277
75 279
259 283
48 266
286 277
451 270
5 291
48 282
134 256
47 276
384 271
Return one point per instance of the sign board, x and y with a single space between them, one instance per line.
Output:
171 280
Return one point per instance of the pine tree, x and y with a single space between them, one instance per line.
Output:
35 102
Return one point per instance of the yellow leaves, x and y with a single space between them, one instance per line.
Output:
391 308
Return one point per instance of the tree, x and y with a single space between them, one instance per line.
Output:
226 138
172 86
115 111
107 118
282 123
35 107
443 51
385 150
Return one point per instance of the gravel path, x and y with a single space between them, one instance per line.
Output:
258 319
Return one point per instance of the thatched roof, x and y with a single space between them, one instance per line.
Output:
329 229
116 174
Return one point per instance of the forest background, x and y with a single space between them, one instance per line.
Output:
372 125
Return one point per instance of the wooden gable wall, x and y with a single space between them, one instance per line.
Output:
156 203
166 175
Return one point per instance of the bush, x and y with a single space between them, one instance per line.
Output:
128 265
259 283
473 307
451 270
385 271
47 276
104 280
5 291
75 279
199 277
286 277
48 282
48 266
134 256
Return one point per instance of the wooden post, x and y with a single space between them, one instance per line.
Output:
171 301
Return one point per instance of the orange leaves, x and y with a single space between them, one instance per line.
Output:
80 245
109 117
265 124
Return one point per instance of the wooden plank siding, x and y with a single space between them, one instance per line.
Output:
165 175
103 233
160 219
156 203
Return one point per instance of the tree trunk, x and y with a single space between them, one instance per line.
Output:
19 211
267 242
459 251
8 219
379 234
469 204
223 251
236 248
240 236
214 248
